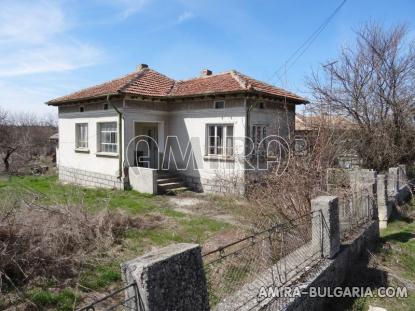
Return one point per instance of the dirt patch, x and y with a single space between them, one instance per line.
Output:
185 202
222 238
216 207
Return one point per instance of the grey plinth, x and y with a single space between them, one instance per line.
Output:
393 179
330 235
382 201
403 179
171 278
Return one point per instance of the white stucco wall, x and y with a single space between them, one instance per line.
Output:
186 120
139 112
191 125
88 161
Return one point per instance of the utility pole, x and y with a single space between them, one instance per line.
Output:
331 64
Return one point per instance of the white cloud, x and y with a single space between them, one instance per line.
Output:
30 21
185 16
128 7
49 57
34 39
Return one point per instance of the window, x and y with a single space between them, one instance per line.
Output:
81 134
81 109
219 104
107 137
259 133
261 105
105 106
220 140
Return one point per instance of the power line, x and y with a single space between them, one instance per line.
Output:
306 44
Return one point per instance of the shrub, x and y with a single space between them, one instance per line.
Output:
53 241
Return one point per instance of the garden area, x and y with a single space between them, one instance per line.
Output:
61 245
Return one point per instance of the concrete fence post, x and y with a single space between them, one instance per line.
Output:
171 278
327 229
382 201
392 183
402 176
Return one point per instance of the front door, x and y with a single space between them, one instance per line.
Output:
146 145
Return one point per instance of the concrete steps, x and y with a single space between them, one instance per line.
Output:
170 184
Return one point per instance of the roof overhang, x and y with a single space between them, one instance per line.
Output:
92 99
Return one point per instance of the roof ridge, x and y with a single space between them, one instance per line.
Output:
239 79
139 73
206 77
266 83
96 85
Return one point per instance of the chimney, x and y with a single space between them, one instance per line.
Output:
141 67
206 72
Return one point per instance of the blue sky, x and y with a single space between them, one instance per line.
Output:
51 48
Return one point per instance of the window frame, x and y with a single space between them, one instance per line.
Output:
100 143
263 132
227 143
82 145
219 101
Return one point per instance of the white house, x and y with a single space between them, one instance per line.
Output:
153 133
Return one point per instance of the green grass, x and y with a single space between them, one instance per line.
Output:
44 299
50 191
101 276
177 227
400 258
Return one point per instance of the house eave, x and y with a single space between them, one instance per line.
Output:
172 98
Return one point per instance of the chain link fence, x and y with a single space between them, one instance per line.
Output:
124 299
278 256
355 210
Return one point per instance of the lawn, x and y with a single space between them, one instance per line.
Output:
395 256
164 225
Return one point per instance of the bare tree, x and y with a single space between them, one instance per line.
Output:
373 84
22 137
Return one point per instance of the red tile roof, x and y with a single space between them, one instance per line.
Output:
219 83
147 82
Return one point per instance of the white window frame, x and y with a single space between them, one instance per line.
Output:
107 147
226 146
81 136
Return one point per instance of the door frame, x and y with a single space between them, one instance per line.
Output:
160 135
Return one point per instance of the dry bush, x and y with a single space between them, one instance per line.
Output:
286 194
38 241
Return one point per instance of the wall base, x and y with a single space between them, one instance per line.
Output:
89 179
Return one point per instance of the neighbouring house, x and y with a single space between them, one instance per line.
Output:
152 133
307 127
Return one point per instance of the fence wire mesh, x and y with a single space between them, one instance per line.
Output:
276 257
355 210
124 299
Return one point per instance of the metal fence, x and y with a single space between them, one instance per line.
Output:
355 210
278 256
126 298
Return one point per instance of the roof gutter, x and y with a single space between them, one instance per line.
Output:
120 149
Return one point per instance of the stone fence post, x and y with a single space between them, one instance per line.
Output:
327 230
393 175
403 179
171 278
382 201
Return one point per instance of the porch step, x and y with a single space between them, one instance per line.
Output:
170 184
166 179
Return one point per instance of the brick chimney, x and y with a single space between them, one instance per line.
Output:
141 67
206 72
